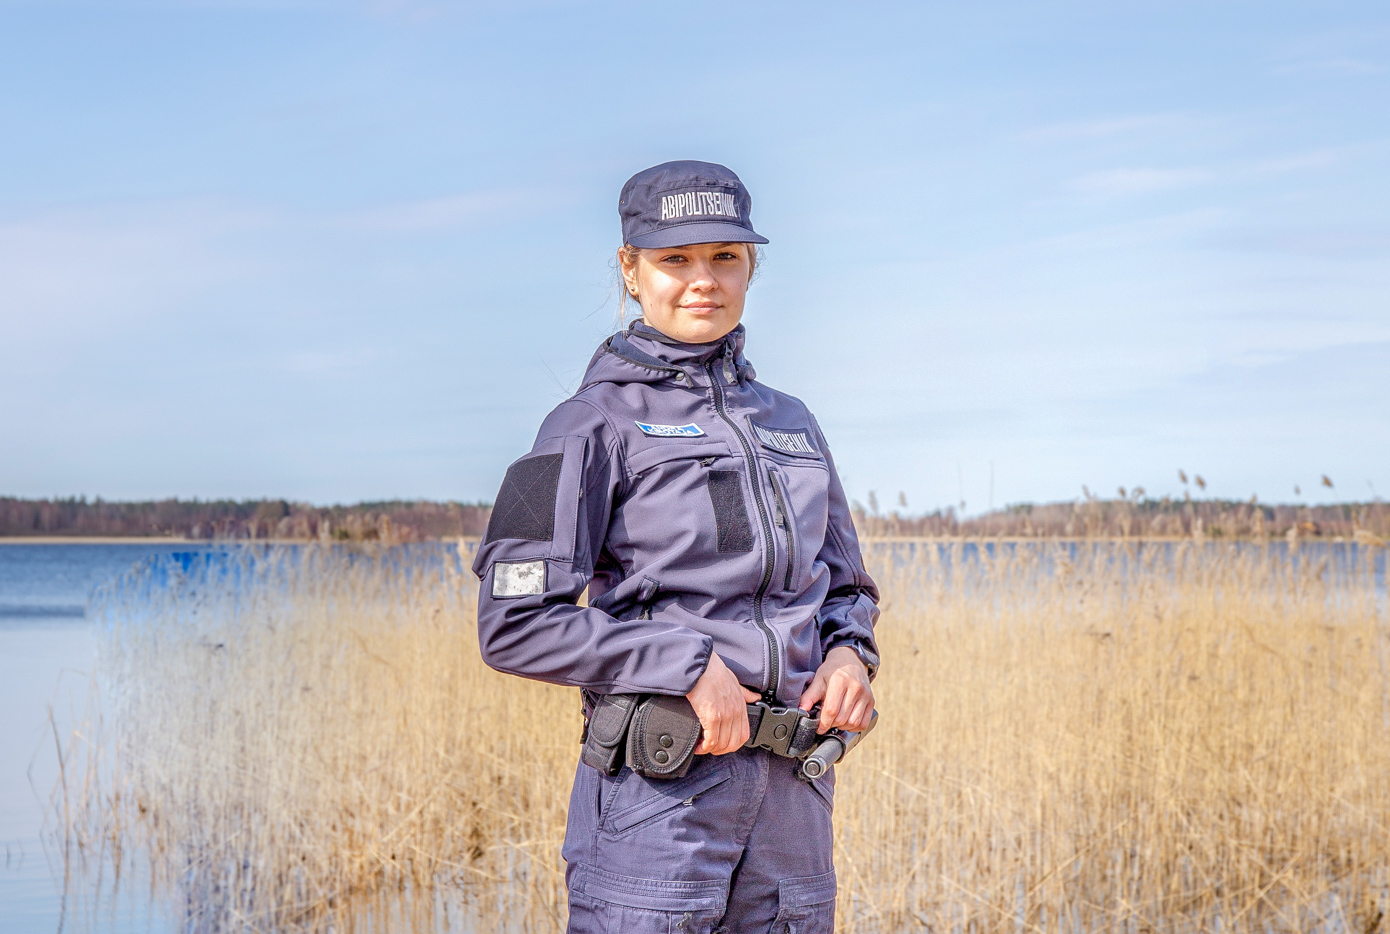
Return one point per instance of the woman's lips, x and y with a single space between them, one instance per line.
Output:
701 307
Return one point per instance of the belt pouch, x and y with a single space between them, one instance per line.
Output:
608 726
661 741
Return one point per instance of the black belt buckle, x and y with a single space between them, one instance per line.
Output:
783 731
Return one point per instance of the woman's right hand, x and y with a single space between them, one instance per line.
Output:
721 703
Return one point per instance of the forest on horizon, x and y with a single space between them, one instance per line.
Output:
424 520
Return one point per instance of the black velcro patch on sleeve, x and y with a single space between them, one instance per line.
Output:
525 507
734 534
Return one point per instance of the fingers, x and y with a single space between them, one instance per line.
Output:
834 700
848 703
721 704
725 732
858 718
814 694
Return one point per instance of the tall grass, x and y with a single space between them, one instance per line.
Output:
1099 737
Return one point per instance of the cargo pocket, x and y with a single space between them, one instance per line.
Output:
667 480
666 797
646 906
824 787
806 905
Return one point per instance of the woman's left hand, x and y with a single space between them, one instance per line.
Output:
841 687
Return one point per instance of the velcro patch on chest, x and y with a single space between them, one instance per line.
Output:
793 441
671 431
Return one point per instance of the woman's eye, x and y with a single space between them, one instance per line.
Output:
673 258
726 256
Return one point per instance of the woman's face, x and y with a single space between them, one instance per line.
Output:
691 293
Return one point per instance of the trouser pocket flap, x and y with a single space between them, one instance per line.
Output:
655 894
806 891
665 796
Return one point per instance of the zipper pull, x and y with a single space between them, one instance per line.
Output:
776 499
647 592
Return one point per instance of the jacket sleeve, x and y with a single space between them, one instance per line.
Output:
547 529
850 609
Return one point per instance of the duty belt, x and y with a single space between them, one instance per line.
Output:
656 735
783 731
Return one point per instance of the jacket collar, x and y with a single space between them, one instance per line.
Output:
644 354
678 353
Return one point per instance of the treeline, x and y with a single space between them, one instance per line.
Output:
423 520
389 521
1136 517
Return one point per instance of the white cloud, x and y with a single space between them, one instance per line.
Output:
1334 66
71 272
74 270
324 363
1115 126
1128 182
1317 159
451 211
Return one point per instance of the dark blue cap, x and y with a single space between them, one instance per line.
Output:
678 203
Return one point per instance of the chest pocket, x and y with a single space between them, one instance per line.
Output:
800 481
675 488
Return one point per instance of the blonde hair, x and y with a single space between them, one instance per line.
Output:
627 256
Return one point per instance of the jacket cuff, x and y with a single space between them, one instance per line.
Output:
700 664
864 648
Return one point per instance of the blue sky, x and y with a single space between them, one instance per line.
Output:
353 251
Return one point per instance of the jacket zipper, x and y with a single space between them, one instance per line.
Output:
770 555
784 519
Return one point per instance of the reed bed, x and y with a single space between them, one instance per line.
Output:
1086 737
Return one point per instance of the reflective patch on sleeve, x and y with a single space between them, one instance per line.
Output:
518 579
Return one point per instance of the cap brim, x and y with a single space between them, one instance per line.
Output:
686 234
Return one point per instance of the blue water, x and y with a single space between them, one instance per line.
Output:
1342 560
47 650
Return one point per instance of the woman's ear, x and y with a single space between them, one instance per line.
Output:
627 262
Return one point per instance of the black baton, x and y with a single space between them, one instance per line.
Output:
834 747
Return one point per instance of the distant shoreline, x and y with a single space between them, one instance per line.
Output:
1131 515
873 539
105 540
170 540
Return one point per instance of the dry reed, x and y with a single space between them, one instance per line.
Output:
1094 737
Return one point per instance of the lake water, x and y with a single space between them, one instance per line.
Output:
47 651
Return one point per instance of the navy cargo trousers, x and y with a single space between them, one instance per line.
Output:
740 844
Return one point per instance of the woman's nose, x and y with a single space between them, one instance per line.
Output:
703 280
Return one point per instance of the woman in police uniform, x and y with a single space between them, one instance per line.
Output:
703 512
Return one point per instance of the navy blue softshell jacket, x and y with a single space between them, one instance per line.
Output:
700 508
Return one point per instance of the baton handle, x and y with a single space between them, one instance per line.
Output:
832 749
